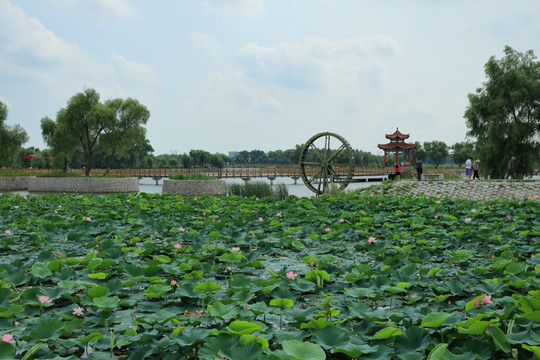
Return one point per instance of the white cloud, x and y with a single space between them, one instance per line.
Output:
30 50
231 93
104 8
116 8
205 43
321 63
132 71
249 8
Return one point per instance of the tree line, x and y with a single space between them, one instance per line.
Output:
502 117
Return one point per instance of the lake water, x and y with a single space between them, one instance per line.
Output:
148 185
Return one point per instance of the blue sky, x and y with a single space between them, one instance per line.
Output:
232 75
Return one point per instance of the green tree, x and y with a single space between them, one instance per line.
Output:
461 151
504 114
85 119
126 130
418 153
61 143
436 151
11 138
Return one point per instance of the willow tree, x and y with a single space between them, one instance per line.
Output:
504 114
87 126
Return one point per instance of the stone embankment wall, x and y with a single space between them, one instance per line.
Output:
90 185
467 189
195 187
14 183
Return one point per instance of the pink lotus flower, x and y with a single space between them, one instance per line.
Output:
436 216
278 214
88 218
177 246
195 199
128 200
204 214
181 229
486 299
78 311
252 234
468 220
341 221
476 303
380 204
44 299
8 338
7 232
173 282
261 219
428 194
371 240
311 263
327 229
473 211
56 211
291 275
509 218
236 249
67 217
438 201
470 196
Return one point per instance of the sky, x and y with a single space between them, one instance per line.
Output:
233 75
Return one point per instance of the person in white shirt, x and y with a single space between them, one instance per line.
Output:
468 165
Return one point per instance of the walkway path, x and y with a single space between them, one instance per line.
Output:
471 189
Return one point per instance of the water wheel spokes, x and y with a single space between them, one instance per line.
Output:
321 165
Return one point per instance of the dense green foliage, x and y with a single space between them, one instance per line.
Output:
461 151
190 177
167 277
86 126
504 114
436 151
258 189
11 138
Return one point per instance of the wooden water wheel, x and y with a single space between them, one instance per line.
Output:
326 159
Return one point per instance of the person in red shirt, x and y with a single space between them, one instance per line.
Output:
398 170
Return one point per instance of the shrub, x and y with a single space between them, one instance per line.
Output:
191 177
258 189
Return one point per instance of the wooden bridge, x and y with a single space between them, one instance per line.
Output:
245 173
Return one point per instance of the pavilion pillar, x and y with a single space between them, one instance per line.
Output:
384 164
397 157
409 157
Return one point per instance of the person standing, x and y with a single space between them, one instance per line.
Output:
468 166
476 167
398 170
419 169
511 168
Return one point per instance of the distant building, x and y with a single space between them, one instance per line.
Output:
233 154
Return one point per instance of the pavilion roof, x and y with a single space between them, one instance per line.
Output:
397 145
397 135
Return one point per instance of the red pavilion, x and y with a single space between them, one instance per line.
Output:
397 143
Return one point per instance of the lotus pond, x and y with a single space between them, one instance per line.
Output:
165 277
